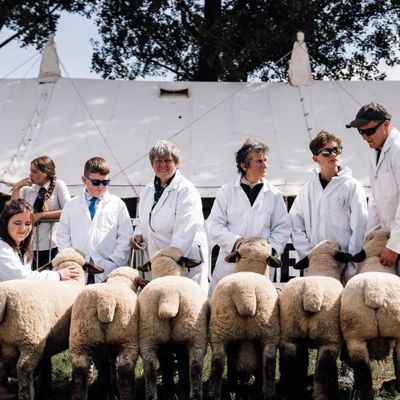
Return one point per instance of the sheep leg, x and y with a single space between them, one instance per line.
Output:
232 371
4 393
106 367
217 369
126 372
150 372
358 352
167 357
26 365
396 361
42 380
269 367
80 374
196 360
325 377
288 369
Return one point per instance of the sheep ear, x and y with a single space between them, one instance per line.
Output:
232 257
189 262
92 269
360 257
274 262
343 257
49 266
145 267
302 264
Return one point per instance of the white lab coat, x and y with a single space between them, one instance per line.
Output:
105 240
384 202
232 217
176 220
338 212
11 266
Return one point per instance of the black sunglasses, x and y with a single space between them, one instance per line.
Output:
370 131
328 151
97 182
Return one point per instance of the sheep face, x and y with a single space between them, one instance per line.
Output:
375 242
253 255
67 257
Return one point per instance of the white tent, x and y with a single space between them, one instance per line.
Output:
74 119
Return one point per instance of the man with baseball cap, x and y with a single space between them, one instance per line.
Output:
373 123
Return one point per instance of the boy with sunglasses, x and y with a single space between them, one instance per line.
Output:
97 222
332 205
373 122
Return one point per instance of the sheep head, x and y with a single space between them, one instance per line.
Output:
325 259
374 244
125 275
254 255
70 256
169 262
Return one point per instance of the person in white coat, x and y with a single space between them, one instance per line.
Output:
16 221
247 206
97 222
170 212
332 205
373 122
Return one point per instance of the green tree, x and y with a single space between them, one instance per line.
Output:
33 21
236 40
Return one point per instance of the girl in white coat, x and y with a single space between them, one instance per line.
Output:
16 222
170 212
247 206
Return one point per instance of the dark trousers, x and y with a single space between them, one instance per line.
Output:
43 257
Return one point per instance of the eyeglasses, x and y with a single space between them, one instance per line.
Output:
370 131
328 151
97 182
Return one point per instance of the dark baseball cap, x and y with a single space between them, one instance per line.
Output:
370 112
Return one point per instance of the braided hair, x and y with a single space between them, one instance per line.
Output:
46 165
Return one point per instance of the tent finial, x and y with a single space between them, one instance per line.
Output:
299 67
49 67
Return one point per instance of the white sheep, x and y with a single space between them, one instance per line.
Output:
370 313
310 317
104 325
244 322
34 321
173 313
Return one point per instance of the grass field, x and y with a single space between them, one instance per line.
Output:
382 371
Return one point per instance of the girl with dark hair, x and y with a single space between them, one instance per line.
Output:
47 195
16 222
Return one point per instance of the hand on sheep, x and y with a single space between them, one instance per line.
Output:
69 273
136 242
388 257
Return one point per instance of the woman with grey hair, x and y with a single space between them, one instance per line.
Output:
170 212
247 206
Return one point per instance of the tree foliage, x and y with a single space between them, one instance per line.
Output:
33 21
236 40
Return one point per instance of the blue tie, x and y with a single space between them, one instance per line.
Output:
92 207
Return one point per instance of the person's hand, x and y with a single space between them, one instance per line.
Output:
37 217
237 244
23 182
136 242
388 257
69 273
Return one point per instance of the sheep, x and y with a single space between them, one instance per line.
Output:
104 324
173 318
244 312
34 321
370 313
310 317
